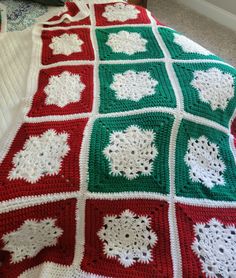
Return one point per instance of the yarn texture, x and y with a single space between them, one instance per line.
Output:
122 162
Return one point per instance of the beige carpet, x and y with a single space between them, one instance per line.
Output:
209 34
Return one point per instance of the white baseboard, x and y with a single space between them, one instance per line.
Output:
216 13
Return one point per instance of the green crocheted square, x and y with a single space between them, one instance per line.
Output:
127 43
126 157
209 90
134 86
205 166
180 47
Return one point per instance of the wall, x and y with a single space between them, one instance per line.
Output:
228 5
221 11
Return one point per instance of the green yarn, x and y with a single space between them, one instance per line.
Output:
184 185
153 50
99 178
164 95
192 102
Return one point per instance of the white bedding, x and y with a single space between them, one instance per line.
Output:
15 52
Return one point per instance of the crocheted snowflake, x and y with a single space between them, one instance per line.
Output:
215 87
189 46
64 89
126 42
120 12
215 245
66 44
41 155
133 85
205 163
131 152
128 238
30 238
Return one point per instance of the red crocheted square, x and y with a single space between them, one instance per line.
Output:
41 233
66 45
72 10
205 236
63 90
43 158
120 13
127 238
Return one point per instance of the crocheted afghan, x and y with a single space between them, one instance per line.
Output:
122 161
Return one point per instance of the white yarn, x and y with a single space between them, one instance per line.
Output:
41 155
128 238
120 12
30 238
215 87
190 46
64 89
205 163
126 42
215 245
131 152
66 44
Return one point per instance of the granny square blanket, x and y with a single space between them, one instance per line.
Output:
122 159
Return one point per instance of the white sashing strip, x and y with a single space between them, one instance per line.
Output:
174 237
204 121
96 88
169 67
128 195
172 111
57 118
80 231
30 201
69 27
205 202
84 156
84 159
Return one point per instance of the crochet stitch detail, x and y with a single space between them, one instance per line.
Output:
215 87
128 238
66 44
205 163
30 238
215 245
133 85
126 42
64 89
120 12
131 152
41 155
190 46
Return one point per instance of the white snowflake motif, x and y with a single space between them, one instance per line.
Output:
128 238
131 152
120 12
41 155
215 245
64 89
189 46
30 238
205 163
133 85
126 42
66 44
214 86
